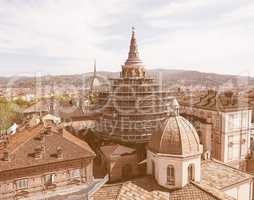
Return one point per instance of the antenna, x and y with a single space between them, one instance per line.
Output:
93 78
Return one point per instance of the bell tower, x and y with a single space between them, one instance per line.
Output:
133 67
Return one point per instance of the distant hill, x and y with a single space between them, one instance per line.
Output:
169 78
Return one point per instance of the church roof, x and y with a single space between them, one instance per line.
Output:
177 137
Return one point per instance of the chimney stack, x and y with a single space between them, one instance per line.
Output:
38 153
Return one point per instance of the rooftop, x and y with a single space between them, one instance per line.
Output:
218 175
63 110
212 100
22 148
146 188
116 150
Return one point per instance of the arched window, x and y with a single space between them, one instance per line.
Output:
171 175
191 173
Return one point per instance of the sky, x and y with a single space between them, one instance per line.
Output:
64 37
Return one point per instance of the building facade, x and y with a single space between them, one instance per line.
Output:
41 161
223 124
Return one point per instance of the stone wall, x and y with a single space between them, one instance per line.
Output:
115 167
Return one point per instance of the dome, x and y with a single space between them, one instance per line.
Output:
178 137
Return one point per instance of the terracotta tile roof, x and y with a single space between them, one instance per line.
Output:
218 175
194 191
109 192
22 145
116 150
147 189
218 194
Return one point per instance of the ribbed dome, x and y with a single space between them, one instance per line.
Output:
178 137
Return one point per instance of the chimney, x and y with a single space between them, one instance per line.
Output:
59 153
60 130
5 144
38 153
6 156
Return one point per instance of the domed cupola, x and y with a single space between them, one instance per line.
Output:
174 153
178 137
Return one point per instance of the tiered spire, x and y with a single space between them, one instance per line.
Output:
133 57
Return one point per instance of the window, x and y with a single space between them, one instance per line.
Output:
22 184
217 122
191 173
75 173
49 179
230 147
234 121
171 175
245 120
244 146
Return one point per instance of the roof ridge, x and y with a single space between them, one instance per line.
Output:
164 130
116 146
180 135
194 132
184 134
77 141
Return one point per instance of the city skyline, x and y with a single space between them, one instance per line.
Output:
210 36
135 134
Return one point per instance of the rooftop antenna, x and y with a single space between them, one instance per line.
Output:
94 76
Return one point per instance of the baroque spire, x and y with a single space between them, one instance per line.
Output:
133 57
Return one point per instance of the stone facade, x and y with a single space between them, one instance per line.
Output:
121 163
225 132
36 179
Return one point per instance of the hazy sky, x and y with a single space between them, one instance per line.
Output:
64 36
